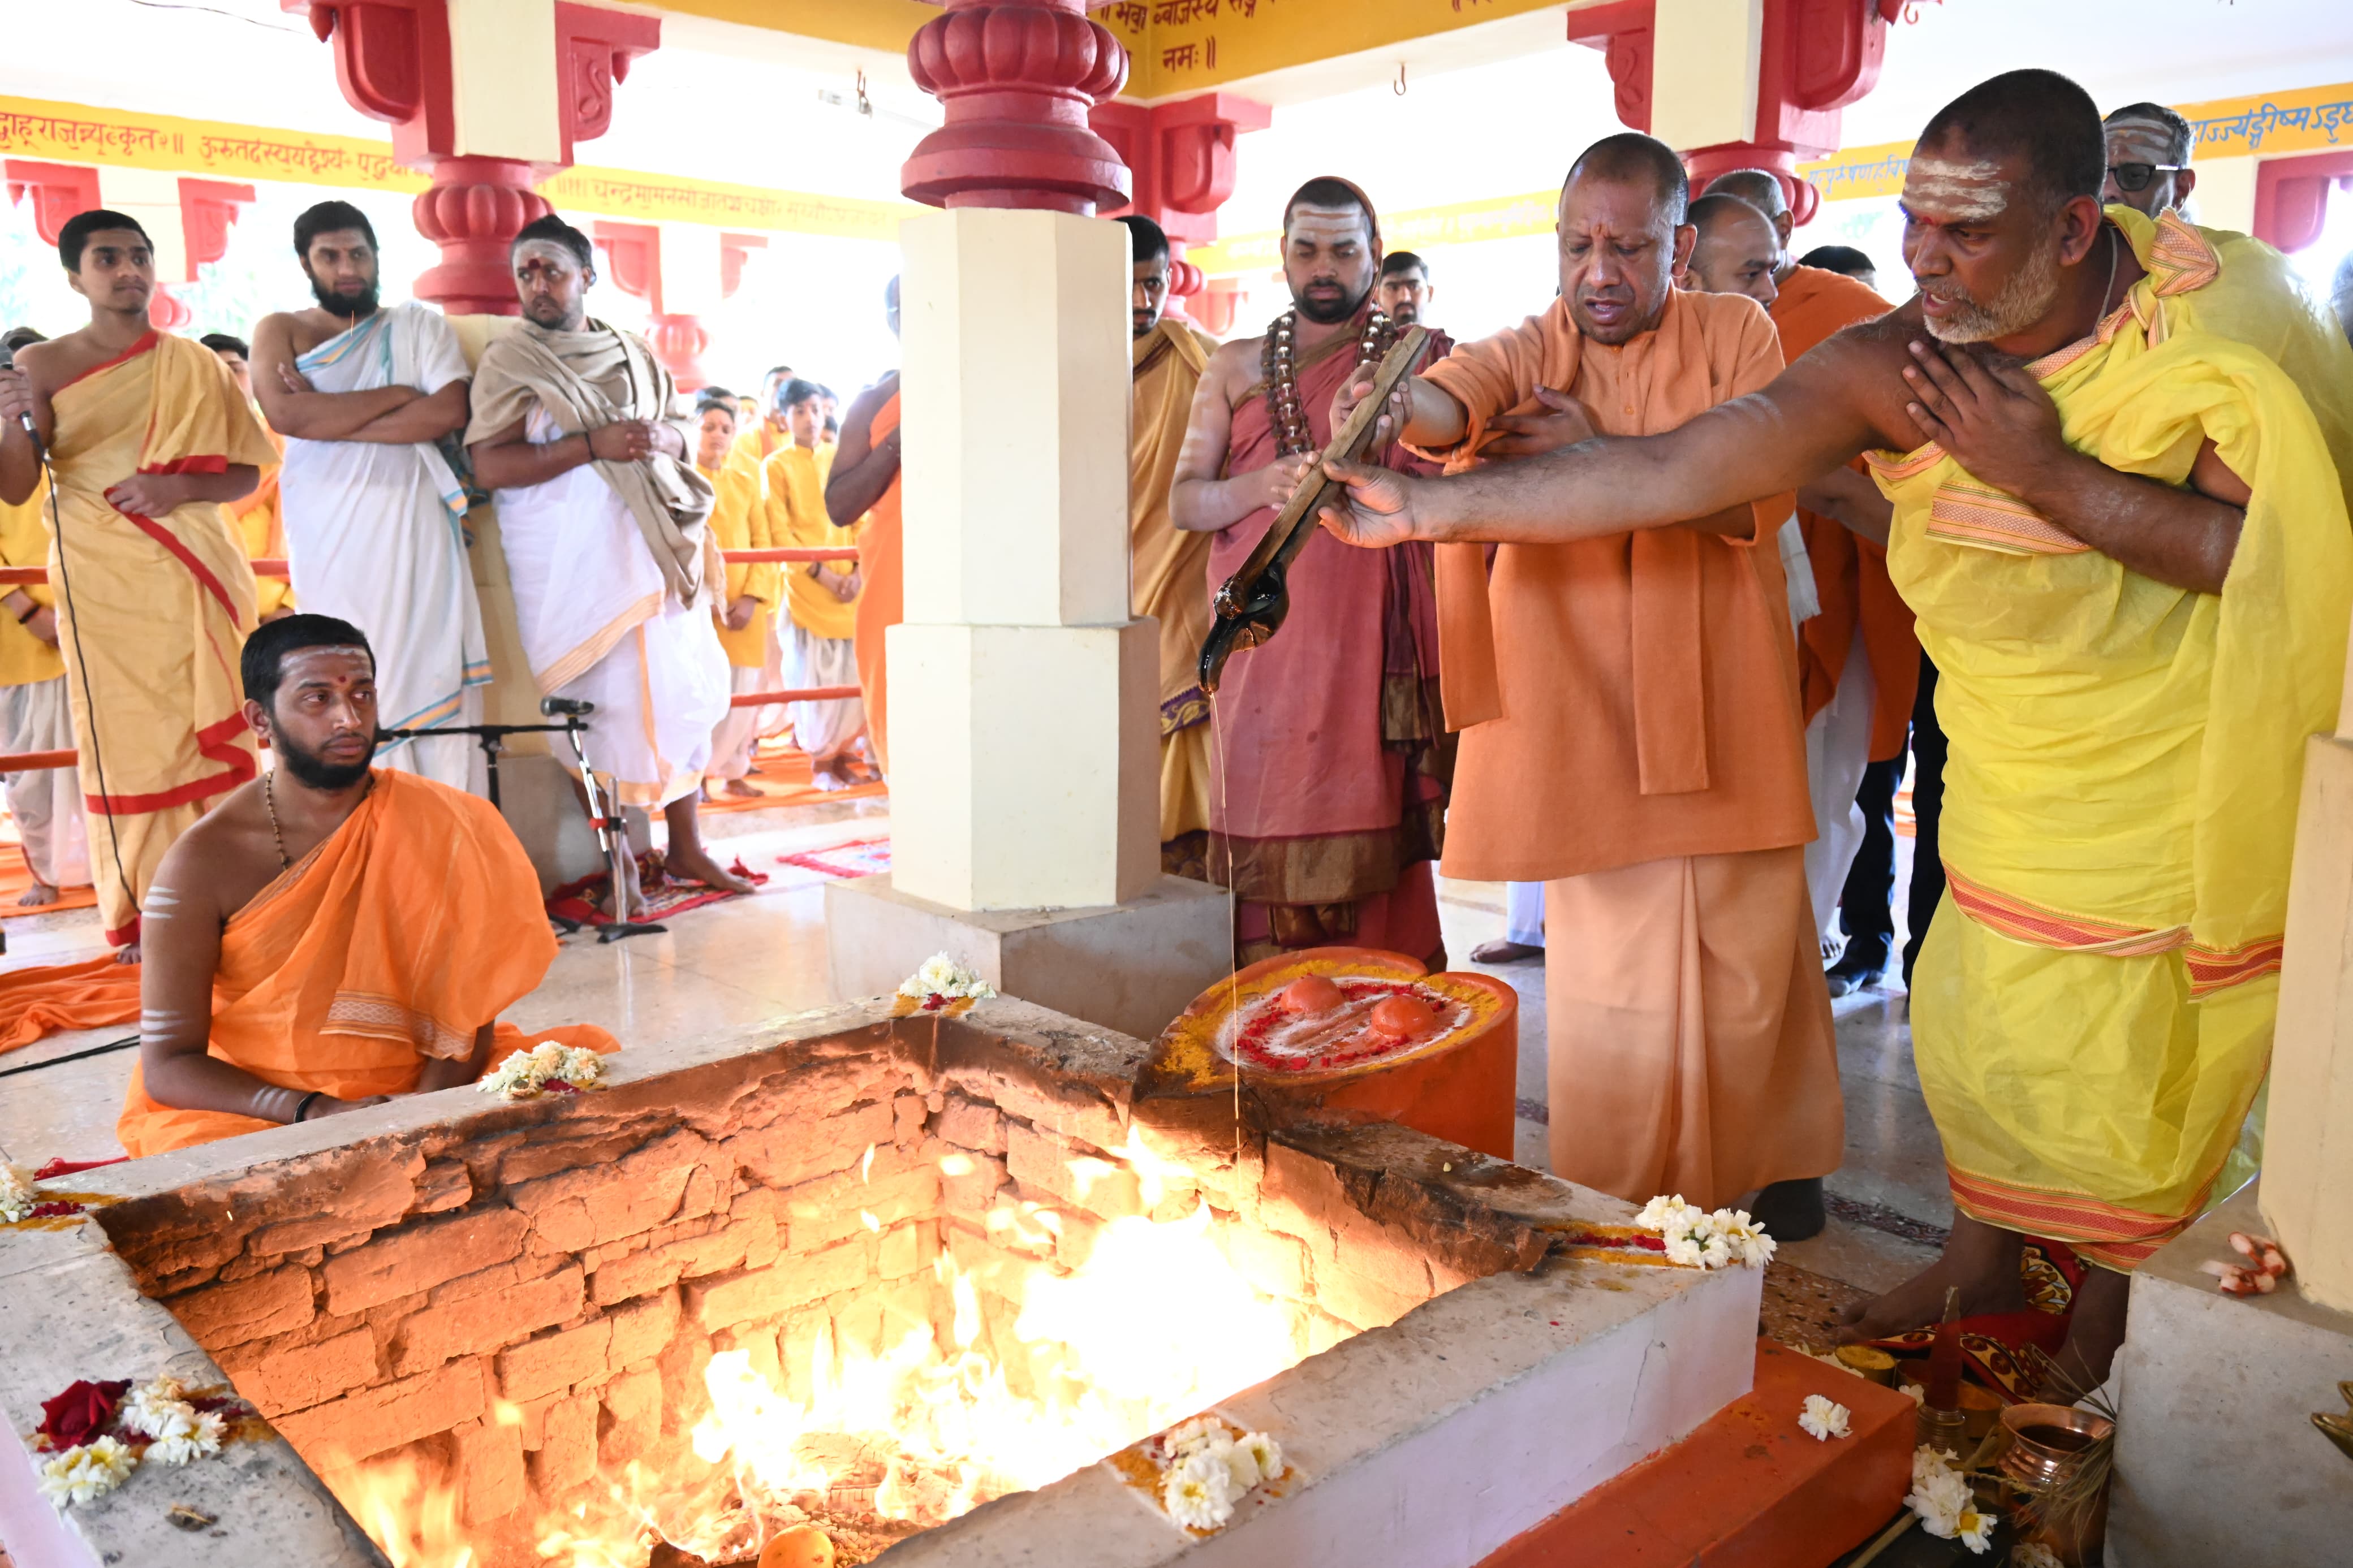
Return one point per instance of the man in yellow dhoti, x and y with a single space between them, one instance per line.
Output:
2120 524
149 438
260 518
815 638
745 608
1168 569
330 935
34 716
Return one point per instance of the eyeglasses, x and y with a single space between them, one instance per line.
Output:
2135 177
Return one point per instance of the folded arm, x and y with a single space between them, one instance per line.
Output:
863 467
423 418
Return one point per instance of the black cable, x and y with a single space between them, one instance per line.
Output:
121 1045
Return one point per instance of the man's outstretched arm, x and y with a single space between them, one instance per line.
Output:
1702 474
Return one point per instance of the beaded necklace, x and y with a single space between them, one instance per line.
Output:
1279 368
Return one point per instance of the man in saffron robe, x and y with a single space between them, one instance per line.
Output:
739 520
1858 662
330 935
1167 566
150 438
864 484
1629 708
818 636
1331 758
259 520
604 520
376 517
2121 527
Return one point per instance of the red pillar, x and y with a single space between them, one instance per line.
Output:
1017 77
393 63
1817 57
1182 157
676 338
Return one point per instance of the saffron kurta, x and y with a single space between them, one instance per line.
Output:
881 596
2127 759
1168 579
1632 738
156 609
417 922
46 802
1329 739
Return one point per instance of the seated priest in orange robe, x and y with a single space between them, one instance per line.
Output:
330 935
1631 730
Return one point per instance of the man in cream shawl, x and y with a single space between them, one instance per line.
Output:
603 516
374 515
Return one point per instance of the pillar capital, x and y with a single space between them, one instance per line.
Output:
186 219
1017 77
1181 156
680 271
1763 92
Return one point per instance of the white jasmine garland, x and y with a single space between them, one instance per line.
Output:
1744 1239
176 1430
944 976
1666 1214
1197 1494
18 1197
1698 1239
1261 1453
197 1435
1824 1419
88 1471
1208 1470
1940 1496
525 1073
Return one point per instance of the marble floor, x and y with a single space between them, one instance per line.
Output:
764 956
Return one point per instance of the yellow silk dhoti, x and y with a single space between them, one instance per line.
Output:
151 611
2092 1014
1691 1049
1169 581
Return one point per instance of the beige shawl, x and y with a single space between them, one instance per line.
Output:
586 380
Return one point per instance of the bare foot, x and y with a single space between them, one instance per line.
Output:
739 790
692 863
1505 953
127 954
1979 1259
2095 1331
38 896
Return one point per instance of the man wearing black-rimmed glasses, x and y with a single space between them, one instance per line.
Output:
2149 158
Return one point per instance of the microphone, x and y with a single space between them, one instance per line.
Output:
557 706
8 362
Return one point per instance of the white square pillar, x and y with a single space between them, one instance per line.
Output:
1024 740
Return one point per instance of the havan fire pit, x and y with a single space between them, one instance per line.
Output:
923 1281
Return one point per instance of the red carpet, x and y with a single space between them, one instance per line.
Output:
858 858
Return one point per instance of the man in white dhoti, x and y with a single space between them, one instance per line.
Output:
34 716
374 516
604 520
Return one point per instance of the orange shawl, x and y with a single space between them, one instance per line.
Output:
1849 573
417 922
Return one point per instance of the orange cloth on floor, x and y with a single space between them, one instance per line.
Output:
1850 572
1633 696
38 1002
882 594
417 921
161 607
261 523
1691 1049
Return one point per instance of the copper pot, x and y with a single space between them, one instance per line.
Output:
2047 1446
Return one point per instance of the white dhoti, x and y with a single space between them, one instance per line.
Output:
1838 750
1524 913
824 730
598 625
376 535
46 802
731 741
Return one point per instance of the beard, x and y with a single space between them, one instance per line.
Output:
314 770
1406 314
2025 299
350 306
1331 313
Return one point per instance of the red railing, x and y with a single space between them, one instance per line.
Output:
33 762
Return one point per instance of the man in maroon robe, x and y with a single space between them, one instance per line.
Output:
1330 757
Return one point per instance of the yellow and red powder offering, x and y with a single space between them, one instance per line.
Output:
1351 1034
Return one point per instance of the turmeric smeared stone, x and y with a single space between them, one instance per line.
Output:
1348 1034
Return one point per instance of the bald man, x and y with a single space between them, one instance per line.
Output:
1859 663
1628 704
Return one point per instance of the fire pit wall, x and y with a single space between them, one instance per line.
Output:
518 1296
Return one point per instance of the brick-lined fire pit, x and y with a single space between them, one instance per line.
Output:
561 1329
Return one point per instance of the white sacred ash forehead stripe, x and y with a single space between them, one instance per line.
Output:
547 251
1965 190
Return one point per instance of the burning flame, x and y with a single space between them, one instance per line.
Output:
1153 1326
